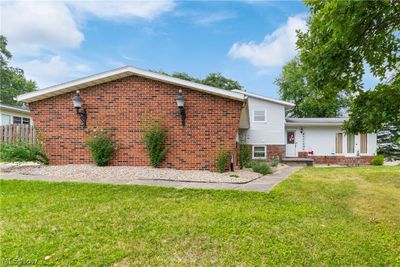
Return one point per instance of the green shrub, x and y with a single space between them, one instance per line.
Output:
22 152
102 147
154 138
275 161
223 157
378 160
244 156
261 167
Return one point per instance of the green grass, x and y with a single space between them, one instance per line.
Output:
319 216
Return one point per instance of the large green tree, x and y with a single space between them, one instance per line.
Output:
213 79
309 103
12 80
343 38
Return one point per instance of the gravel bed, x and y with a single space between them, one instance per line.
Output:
126 174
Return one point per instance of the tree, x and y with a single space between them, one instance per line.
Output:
343 38
219 81
213 79
389 142
12 80
293 87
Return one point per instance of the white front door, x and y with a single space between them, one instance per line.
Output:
291 143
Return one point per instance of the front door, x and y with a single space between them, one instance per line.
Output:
291 143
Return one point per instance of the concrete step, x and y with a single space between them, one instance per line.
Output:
298 161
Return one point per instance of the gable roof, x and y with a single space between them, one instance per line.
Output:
269 99
121 73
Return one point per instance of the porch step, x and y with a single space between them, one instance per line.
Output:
298 161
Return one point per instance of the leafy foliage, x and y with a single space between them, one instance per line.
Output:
22 152
244 155
378 160
222 160
12 80
102 147
261 167
213 79
372 110
275 161
154 138
293 87
343 38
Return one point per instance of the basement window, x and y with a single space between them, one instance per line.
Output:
259 152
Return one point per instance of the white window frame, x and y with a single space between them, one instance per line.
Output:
342 145
265 115
354 145
265 152
9 119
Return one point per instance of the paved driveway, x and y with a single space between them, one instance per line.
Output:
262 184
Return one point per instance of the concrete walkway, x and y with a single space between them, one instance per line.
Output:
262 184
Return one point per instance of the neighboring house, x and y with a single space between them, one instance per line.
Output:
14 115
117 100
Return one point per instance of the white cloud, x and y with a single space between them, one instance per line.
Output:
214 17
53 71
276 48
118 10
33 26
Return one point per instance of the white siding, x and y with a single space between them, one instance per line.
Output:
321 140
12 114
270 132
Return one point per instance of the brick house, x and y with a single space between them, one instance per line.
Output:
117 100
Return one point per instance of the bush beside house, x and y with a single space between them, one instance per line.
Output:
222 160
154 137
102 147
22 152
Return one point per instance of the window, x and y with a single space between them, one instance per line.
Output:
339 143
5 119
26 121
363 143
259 152
259 116
17 120
350 144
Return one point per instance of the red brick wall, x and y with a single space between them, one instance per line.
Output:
276 150
212 123
342 160
302 154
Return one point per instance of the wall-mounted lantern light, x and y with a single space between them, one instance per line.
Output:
180 101
78 102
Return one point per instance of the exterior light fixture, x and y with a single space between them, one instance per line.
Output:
180 101
78 102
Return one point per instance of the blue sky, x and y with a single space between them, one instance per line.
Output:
248 41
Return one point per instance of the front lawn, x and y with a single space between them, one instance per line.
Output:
319 216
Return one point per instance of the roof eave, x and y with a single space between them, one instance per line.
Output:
15 109
313 124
